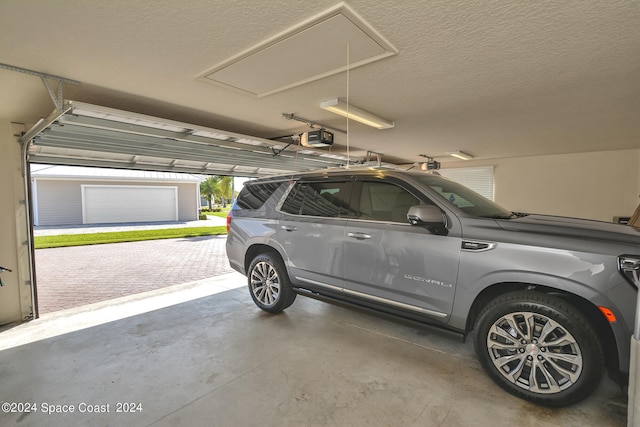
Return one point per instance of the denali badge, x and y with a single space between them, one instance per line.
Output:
428 281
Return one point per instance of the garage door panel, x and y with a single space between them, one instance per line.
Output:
124 203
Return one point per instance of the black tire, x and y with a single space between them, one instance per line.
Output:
556 363
269 283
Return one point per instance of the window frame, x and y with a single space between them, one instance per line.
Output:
248 189
357 191
306 181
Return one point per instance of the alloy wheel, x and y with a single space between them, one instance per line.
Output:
534 352
265 283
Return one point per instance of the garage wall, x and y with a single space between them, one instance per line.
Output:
15 295
60 201
588 185
188 206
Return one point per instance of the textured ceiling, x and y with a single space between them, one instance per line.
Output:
492 78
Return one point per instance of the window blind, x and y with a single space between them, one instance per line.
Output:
479 179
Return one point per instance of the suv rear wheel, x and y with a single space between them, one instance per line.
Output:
269 284
538 347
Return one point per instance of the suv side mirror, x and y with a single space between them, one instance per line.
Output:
425 215
430 217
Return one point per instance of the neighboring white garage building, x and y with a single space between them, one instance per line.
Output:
71 195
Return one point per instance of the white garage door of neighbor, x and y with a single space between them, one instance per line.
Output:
128 203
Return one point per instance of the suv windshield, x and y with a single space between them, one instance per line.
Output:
464 198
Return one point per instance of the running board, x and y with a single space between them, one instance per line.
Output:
376 299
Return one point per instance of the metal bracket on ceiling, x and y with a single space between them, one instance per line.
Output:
57 98
311 124
292 116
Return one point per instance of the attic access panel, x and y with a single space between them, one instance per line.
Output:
89 135
309 51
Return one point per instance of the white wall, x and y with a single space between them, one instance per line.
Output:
15 295
588 185
60 200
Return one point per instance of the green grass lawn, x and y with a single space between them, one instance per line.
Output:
222 214
62 240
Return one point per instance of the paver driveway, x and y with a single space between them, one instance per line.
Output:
75 276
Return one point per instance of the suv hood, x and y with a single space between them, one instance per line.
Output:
574 228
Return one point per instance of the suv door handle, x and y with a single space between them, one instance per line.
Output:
288 227
359 236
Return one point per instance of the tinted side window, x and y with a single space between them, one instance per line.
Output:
253 196
293 203
381 201
327 199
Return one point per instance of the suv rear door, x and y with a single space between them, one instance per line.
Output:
389 261
311 231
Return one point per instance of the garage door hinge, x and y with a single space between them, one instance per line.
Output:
27 282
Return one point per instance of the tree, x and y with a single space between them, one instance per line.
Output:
217 187
226 184
210 188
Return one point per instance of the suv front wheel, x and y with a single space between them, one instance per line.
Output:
269 283
538 347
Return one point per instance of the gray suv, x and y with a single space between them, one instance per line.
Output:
551 300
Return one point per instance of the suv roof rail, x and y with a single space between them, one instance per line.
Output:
372 165
353 167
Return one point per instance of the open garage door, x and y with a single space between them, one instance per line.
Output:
88 135
79 134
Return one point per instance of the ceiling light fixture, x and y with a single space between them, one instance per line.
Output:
461 155
354 113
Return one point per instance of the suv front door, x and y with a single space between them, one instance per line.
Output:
389 261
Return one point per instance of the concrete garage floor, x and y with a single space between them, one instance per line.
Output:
202 354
